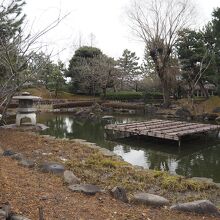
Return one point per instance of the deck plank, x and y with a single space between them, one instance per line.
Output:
166 129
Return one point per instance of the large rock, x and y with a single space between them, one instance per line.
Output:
70 178
183 113
210 116
96 108
18 156
83 112
107 152
8 153
5 211
119 193
54 168
150 109
218 119
216 110
19 217
85 188
27 163
200 207
149 199
1 151
2 214
108 117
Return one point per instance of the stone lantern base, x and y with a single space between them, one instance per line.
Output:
31 116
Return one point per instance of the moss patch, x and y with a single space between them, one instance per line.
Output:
109 172
180 183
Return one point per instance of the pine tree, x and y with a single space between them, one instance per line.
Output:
213 38
11 19
129 68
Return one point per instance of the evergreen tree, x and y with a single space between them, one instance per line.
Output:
11 19
196 57
91 71
78 66
129 69
212 34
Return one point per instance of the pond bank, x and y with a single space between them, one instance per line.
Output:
183 109
107 171
149 153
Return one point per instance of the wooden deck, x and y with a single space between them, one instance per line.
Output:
165 129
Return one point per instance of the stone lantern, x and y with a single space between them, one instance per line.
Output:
25 108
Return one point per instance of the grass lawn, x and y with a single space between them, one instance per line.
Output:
46 94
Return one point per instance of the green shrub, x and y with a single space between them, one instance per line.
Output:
124 96
73 104
123 105
152 97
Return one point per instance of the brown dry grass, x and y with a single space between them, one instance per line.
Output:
201 106
27 189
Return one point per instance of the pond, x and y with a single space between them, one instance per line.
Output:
196 158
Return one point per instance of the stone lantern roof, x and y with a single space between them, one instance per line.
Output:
26 96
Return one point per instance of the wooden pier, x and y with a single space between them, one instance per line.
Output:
165 129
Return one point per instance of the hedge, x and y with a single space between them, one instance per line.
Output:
129 96
123 105
124 96
73 104
153 95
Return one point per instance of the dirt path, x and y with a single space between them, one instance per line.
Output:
28 189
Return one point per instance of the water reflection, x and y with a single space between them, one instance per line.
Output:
136 157
196 158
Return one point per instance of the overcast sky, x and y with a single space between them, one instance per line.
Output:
103 21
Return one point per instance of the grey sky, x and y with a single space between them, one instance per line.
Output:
106 19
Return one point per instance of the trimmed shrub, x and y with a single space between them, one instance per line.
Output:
123 105
153 97
124 96
73 104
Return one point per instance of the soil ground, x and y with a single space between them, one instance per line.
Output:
28 189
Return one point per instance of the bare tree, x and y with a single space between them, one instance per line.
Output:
157 22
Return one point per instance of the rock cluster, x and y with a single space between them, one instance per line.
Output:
19 157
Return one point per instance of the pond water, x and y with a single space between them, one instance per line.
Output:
196 158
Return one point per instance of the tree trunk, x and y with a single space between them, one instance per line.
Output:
115 88
104 91
166 94
204 91
162 73
136 86
5 108
56 91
